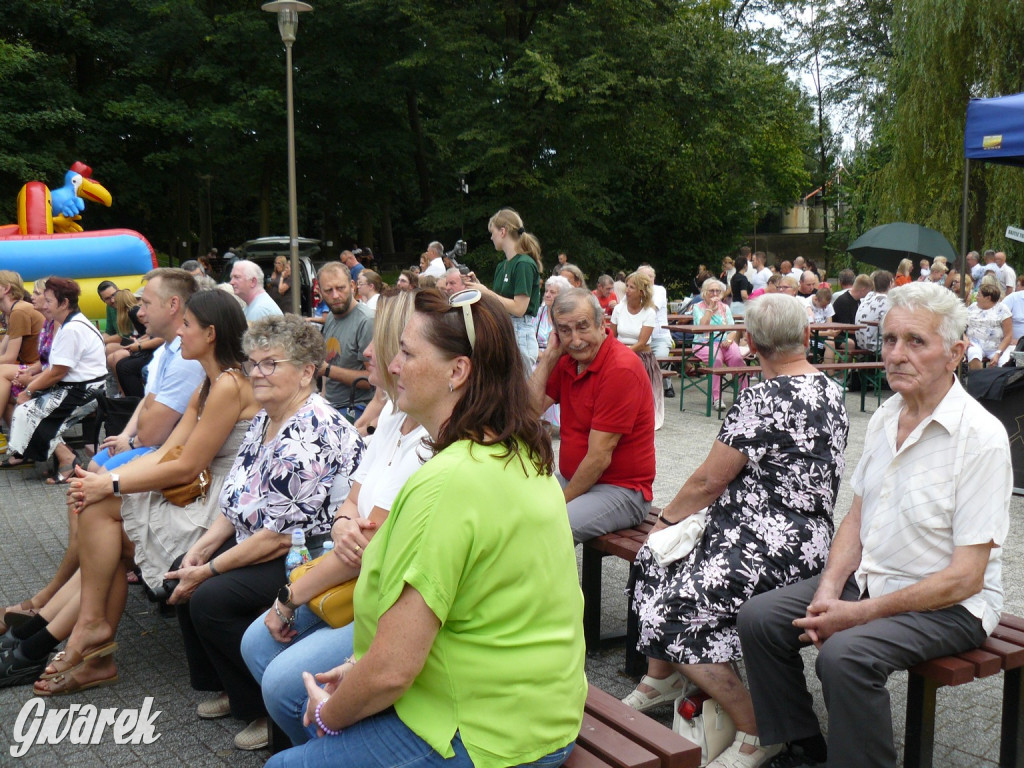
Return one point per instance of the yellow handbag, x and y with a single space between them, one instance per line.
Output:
333 605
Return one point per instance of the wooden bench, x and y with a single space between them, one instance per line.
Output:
623 544
1003 651
614 734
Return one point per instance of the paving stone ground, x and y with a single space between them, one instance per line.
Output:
151 661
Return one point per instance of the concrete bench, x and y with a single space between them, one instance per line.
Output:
614 734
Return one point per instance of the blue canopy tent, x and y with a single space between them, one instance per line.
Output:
994 133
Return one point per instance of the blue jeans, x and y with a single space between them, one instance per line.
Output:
381 741
278 667
525 328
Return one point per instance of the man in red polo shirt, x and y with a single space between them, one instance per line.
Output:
606 461
605 294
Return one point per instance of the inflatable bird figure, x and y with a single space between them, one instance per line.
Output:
42 211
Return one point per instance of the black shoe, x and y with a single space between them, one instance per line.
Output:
670 391
15 669
793 756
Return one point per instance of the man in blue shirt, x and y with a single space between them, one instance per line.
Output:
172 379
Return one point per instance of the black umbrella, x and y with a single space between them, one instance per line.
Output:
886 246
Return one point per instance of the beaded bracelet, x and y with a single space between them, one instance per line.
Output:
320 723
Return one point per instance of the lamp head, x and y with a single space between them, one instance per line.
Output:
287 16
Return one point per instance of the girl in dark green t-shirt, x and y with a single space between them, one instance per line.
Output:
517 279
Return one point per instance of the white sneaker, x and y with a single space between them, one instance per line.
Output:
733 758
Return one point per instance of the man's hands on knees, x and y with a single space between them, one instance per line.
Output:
828 614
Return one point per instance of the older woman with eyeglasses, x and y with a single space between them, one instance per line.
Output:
294 466
467 644
711 310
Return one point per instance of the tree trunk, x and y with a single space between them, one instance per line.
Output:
422 171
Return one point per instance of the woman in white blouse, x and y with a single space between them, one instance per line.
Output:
633 322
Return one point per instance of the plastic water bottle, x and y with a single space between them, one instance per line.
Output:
328 546
298 554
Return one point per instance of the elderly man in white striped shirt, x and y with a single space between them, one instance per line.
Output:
914 571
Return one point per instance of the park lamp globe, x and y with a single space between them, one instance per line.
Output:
287 16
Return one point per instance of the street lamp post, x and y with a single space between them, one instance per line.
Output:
288 24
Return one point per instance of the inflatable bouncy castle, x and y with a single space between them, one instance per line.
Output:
48 240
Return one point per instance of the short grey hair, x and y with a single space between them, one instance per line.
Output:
776 324
249 269
570 300
436 247
647 269
298 340
605 280
949 311
559 281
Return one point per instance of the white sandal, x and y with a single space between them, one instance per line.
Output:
733 758
667 689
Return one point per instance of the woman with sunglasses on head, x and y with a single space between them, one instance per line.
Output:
516 279
467 643
289 638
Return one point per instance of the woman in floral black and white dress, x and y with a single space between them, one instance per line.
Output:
769 483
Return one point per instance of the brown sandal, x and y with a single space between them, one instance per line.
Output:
72 660
66 683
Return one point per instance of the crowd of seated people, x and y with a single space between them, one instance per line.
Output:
462 617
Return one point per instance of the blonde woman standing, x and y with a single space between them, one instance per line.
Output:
517 279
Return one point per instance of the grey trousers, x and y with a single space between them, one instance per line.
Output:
603 509
853 666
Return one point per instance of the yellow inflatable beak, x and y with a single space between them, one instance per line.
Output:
94 192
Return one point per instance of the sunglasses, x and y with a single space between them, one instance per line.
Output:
466 299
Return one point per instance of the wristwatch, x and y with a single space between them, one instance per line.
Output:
116 482
131 442
284 597
327 371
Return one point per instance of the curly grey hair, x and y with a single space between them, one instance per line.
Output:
300 342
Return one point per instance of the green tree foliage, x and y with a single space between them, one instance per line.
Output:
622 130
937 55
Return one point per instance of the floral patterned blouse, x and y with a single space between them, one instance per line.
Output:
287 484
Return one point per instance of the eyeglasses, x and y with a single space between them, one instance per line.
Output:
466 299
265 367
